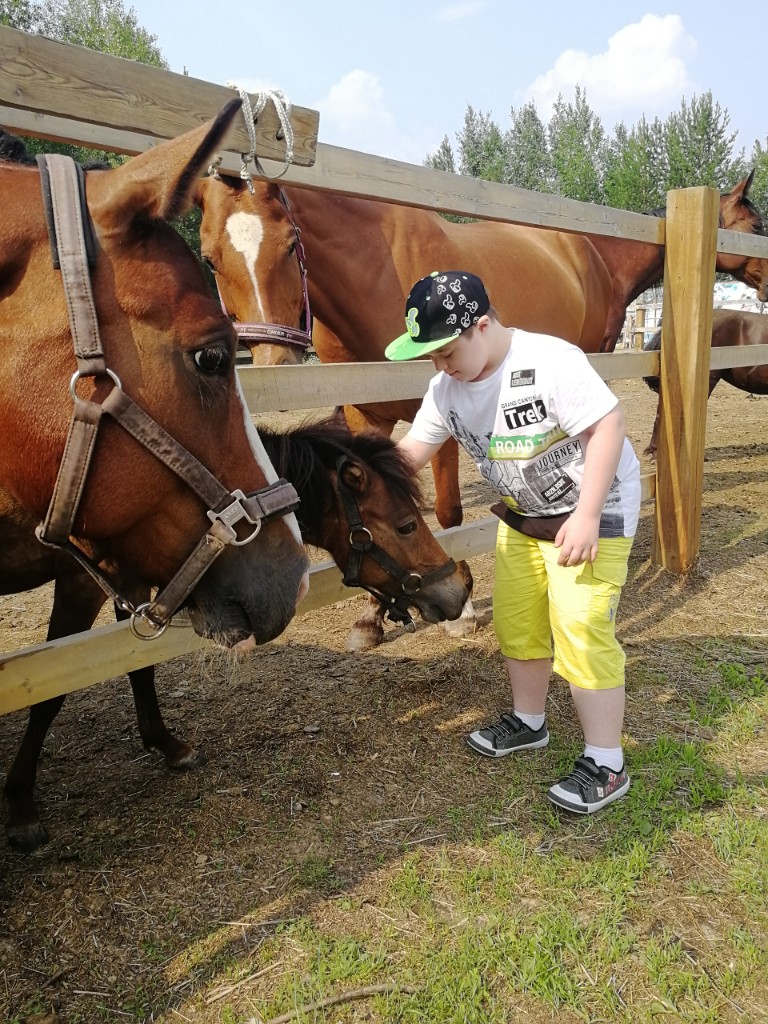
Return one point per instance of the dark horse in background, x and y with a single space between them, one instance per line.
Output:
730 328
358 502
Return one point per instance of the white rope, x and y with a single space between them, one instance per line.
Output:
251 113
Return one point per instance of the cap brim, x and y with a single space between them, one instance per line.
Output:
405 347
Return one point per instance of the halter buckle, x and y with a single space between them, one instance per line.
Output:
234 513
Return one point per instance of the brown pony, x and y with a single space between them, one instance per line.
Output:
358 502
167 381
730 328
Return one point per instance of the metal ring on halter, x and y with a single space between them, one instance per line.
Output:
240 543
78 374
408 583
367 534
156 628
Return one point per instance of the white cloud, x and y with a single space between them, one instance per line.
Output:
354 114
457 12
643 71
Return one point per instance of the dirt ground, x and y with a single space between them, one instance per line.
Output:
314 756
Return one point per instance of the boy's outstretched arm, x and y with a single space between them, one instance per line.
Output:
418 453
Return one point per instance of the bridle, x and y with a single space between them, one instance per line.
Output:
280 334
361 543
73 251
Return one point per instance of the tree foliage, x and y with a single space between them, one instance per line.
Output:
631 168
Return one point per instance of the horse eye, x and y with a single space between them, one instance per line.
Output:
214 360
208 262
406 528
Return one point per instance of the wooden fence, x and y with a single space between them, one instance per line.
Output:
67 93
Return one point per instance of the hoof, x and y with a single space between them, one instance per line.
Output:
185 761
364 638
465 625
27 838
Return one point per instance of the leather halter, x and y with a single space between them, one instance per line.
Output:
280 334
361 543
69 226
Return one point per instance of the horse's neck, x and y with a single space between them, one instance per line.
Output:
633 266
354 288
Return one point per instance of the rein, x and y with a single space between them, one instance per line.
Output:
69 227
280 334
361 543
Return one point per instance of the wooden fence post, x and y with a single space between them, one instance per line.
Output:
689 276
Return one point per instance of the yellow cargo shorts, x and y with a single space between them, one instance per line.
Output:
538 605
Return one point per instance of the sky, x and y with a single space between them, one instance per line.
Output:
394 78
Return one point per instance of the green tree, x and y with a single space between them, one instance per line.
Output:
21 14
698 146
577 149
482 150
528 160
758 193
442 159
635 167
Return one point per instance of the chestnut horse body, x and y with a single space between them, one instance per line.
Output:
169 352
730 328
330 467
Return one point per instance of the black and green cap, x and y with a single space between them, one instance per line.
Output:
440 307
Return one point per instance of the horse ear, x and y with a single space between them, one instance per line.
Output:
162 182
354 476
739 191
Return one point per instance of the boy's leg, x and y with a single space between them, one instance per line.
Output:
521 621
584 604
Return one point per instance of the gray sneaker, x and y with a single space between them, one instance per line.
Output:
507 736
588 788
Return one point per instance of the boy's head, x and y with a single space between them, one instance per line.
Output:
440 307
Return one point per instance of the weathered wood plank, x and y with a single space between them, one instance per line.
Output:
689 277
67 81
318 385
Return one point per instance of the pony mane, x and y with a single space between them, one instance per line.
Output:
297 453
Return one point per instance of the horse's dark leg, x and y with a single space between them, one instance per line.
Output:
77 600
178 754
654 383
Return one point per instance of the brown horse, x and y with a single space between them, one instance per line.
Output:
730 328
358 502
153 411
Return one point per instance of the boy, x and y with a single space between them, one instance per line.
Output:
549 436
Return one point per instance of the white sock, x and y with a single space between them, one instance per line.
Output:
607 757
534 722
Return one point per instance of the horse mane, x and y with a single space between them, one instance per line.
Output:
13 149
305 453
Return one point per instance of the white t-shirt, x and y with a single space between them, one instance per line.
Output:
523 428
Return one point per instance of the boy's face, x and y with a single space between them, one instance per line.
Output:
465 357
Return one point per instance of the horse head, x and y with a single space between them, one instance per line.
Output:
251 244
361 503
169 357
739 213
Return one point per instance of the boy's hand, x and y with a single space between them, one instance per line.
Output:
577 539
